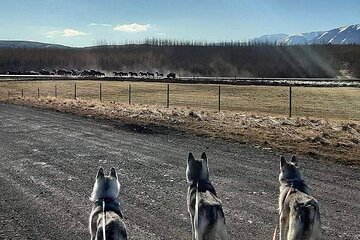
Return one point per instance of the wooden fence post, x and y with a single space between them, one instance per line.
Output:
75 91
129 94
219 103
22 93
100 92
55 90
290 101
168 95
38 92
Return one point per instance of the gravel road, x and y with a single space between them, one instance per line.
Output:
48 162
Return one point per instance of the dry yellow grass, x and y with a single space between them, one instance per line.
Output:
325 103
326 139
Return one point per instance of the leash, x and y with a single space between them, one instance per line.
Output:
275 232
196 214
277 225
104 220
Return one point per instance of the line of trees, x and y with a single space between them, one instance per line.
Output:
193 58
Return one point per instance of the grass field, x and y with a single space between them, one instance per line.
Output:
328 103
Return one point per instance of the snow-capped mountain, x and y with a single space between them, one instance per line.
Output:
342 35
272 38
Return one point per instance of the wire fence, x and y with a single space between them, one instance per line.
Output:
331 103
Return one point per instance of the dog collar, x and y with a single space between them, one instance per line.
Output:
203 186
296 184
107 200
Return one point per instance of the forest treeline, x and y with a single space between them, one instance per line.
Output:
193 59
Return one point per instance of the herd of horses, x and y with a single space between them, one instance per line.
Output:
92 73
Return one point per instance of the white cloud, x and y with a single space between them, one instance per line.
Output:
65 33
73 33
100 24
133 28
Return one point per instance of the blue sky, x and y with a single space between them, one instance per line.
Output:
87 22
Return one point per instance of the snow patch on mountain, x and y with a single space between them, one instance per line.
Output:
271 39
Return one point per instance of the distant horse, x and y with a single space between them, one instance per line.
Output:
133 74
120 74
85 73
142 74
75 72
63 72
44 72
96 73
124 74
159 74
171 75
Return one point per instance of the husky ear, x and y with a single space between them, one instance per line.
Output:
191 157
100 173
113 173
294 160
204 157
282 162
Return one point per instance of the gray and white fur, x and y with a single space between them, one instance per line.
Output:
106 188
299 211
205 208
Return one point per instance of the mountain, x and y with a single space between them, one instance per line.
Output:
272 38
342 35
28 44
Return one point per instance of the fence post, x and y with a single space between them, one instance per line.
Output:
100 92
168 95
55 90
38 92
129 94
75 91
22 93
290 101
219 103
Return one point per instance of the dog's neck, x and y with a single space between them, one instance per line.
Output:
203 186
107 200
295 183
111 204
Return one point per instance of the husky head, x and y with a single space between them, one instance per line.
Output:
105 186
197 169
289 170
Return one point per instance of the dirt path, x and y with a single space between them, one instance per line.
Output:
48 162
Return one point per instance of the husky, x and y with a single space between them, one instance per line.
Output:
205 208
299 211
106 213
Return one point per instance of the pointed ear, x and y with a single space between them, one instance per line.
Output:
294 160
113 173
100 173
203 156
191 157
282 162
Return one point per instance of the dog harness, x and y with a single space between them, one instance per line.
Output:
105 205
294 185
